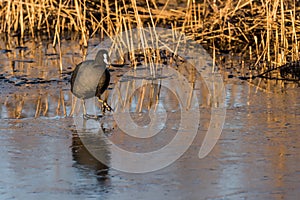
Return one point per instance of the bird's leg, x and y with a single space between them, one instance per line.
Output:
87 116
105 105
84 109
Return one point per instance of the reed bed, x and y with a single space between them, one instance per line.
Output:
264 31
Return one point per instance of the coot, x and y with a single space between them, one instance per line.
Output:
91 78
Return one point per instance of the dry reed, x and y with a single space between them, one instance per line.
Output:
265 31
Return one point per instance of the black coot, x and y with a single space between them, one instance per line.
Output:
91 78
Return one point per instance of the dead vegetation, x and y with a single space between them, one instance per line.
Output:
263 31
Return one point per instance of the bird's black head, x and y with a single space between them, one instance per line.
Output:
102 57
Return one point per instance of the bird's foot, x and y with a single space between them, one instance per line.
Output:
95 117
106 107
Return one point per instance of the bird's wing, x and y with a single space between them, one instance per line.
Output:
103 83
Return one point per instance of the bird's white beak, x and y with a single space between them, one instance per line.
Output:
105 58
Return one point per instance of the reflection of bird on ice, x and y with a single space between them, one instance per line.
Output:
85 142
